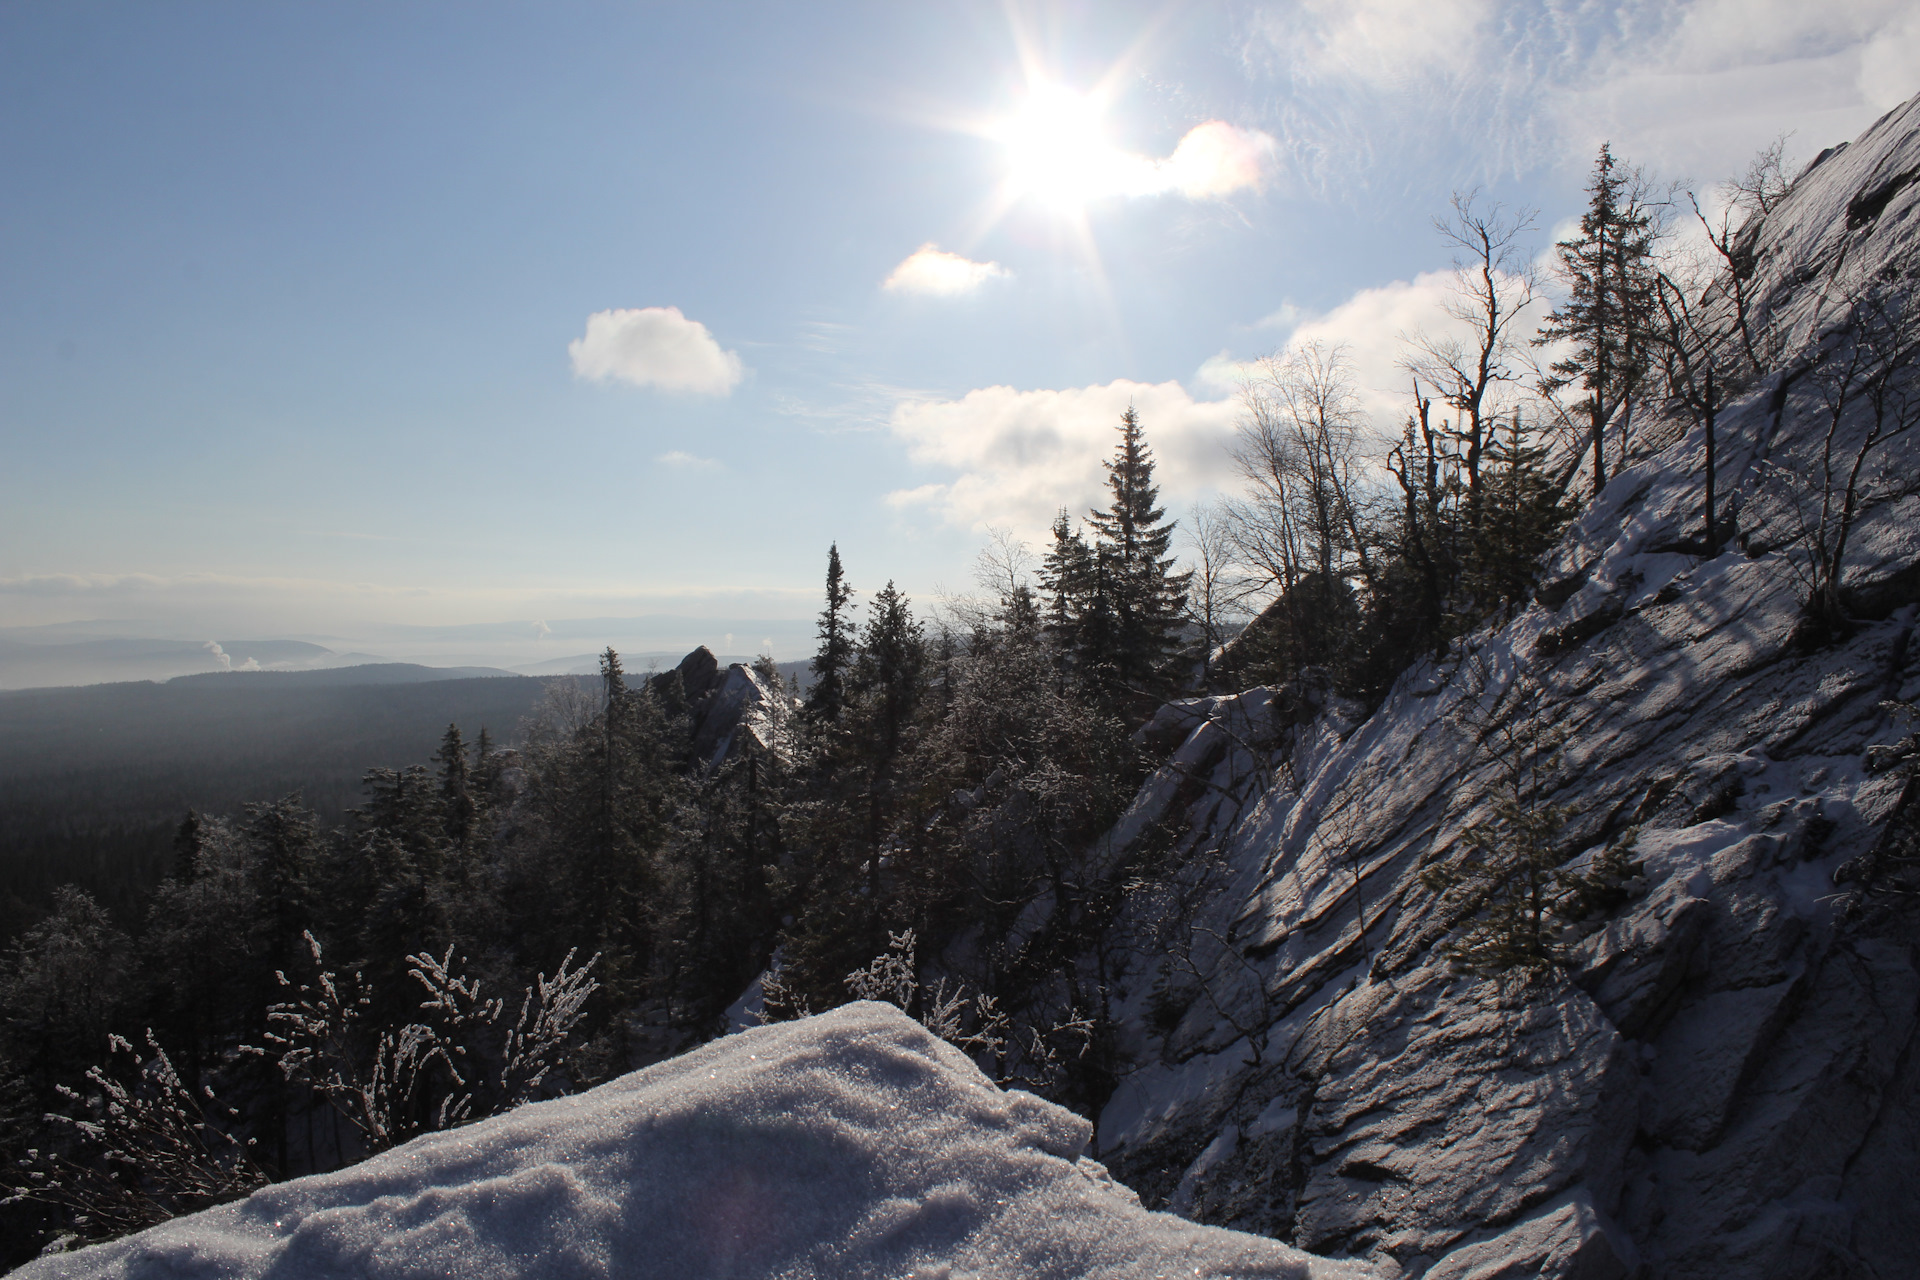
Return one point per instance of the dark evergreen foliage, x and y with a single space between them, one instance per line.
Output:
1609 313
827 698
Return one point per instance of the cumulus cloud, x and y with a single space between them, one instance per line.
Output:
654 347
1374 325
1375 328
933 272
1217 159
1022 455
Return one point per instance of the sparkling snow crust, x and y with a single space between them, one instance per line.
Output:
849 1144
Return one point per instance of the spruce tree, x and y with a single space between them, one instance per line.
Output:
1608 269
827 698
1137 600
1521 516
845 826
186 847
459 809
1067 577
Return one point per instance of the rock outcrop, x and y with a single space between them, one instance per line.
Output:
727 710
1722 1078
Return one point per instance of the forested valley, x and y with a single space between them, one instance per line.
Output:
940 817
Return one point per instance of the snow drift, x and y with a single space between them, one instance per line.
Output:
849 1144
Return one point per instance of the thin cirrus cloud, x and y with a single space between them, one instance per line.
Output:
932 272
681 460
655 347
1380 86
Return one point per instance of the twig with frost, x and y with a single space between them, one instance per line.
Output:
319 1035
890 975
157 1152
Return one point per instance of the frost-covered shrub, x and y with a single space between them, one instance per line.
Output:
145 1150
460 1064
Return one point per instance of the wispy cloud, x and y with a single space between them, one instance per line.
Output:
681 460
76 584
931 271
655 347
1364 88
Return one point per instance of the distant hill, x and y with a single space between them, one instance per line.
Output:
371 673
43 662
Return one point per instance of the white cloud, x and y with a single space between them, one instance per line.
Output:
1022 455
654 347
933 272
1888 64
1216 159
1373 326
682 460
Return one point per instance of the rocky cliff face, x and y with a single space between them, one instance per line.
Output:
1722 1079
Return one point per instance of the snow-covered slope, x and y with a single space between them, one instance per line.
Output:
852 1144
1726 1081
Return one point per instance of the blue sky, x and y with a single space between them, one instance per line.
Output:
296 302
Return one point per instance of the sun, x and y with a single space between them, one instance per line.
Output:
1058 152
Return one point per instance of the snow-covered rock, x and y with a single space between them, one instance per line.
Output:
852 1144
1724 1080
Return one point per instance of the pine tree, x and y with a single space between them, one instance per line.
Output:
827 698
1137 601
1610 277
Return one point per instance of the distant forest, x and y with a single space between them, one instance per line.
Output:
932 823
95 780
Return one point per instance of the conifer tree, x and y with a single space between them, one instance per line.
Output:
459 809
1608 269
827 698
1067 577
186 847
845 824
1521 514
1137 600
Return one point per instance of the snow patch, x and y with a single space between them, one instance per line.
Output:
849 1144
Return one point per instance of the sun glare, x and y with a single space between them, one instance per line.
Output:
1058 152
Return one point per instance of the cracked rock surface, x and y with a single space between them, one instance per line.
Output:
1721 1078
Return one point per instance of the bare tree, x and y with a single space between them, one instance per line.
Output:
1863 371
1302 526
1688 356
1765 183
1493 286
1219 586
